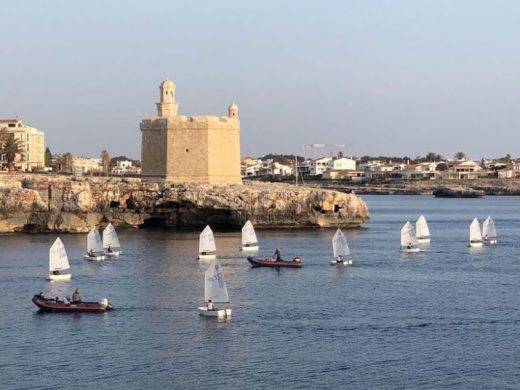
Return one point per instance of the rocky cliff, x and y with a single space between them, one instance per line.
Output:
48 203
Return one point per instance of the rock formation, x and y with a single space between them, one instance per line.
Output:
50 203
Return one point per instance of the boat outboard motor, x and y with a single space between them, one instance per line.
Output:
103 302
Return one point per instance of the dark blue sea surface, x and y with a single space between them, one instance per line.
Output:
447 317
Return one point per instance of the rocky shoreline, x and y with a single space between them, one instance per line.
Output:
54 203
504 187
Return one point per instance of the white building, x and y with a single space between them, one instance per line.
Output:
341 164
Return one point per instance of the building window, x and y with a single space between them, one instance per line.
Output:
187 150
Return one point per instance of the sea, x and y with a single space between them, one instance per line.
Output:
445 318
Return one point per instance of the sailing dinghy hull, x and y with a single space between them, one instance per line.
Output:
344 262
477 244
490 242
94 258
219 313
423 240
50 305
59 277
250 248
273 264
113 253
410 250
207 257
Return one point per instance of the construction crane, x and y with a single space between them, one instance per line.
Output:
311 147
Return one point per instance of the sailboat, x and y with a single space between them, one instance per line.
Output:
489 232
421 230
207 244
475 237
111 242
249 240
215 290
340 249
94 246
58 261
408 239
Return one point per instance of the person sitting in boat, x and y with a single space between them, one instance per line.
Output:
339 259
209 305
55 272
409 246
90 253
277 255
109 249
76 297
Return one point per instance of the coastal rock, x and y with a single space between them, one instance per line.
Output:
52 203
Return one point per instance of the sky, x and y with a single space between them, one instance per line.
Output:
385 77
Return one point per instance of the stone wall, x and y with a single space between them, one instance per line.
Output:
48 203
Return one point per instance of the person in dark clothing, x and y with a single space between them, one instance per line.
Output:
277 255
76 297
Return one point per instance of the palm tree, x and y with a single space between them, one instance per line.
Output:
10 147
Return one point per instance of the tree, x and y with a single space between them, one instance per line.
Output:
64 163
11 147
431 157
460 156
442 167
105 161
48 157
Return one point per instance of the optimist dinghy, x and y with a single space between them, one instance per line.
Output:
489 232
408 239
422 231
215 290
249 240
475 236
207 245
58 261
94 246
111 243
340 249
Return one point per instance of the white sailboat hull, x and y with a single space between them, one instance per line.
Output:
410 250
423 240
339 262
250 248
59 277
219 313
476 244
207 257
491 241
94 258
113 253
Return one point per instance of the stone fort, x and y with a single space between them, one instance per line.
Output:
190 149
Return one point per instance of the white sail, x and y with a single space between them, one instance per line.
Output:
94 243
58 260
421 227
408 235
488 228
110 237
248 234
215 284
207 241
339 244
474 231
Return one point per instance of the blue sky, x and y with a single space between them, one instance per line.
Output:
391 77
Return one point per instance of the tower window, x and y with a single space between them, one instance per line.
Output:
187 150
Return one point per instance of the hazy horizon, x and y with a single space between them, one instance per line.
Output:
396 78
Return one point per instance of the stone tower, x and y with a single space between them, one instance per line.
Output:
190 149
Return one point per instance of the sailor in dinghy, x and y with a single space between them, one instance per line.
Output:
58 261
111 242
422 230
409 239
207 244
475 236
249 240
340 249
215 291
489 232
94 246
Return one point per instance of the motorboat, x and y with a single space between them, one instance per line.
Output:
63 306
270 262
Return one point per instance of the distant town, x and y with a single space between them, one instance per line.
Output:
22 149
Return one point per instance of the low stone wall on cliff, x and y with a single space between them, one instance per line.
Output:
53 203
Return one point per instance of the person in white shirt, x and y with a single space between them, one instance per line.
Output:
209 305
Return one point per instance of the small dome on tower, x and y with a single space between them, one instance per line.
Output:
167 83
233 111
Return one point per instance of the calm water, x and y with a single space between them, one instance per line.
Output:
444 318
